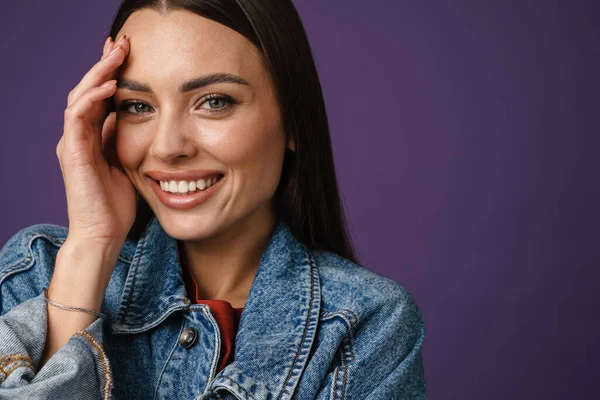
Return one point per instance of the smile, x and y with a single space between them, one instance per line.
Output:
184 195
183 187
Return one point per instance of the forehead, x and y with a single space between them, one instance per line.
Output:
181 43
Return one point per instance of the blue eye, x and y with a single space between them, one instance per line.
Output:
217 100
137 105
216 104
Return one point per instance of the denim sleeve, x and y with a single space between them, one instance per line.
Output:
387 361
78 370
406 380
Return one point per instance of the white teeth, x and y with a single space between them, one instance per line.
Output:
183 187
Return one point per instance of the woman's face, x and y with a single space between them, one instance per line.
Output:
227 129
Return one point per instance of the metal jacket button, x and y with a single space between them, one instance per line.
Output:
188 337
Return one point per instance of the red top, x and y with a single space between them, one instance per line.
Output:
228 319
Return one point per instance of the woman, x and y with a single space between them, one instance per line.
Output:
208 191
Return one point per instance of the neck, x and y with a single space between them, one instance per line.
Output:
224 265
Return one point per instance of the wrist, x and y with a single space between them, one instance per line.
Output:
79 243
81 273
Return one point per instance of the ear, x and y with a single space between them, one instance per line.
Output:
291 144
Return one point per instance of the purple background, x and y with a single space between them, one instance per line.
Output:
465 145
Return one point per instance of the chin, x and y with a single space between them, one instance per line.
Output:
188 225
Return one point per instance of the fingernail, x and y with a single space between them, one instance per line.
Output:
123 36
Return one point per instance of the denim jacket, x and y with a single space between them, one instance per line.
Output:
314 326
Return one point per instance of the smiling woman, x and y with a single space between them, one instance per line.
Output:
207 254
179 63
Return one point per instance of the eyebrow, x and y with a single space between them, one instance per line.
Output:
190 85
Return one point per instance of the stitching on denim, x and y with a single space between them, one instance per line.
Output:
352 316
347 348
164 368
135 272
29 256
153 317
14 361
57 242
107 381
352 313
334 388
344 382
15 267
239 386
164 314
215 361
351 347
345 362
351 322
350 341
312 266
343 395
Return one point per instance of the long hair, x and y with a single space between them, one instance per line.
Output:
307 197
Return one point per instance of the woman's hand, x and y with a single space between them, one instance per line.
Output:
101 200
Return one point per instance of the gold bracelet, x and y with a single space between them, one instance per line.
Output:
70 308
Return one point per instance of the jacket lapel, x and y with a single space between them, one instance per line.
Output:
277 327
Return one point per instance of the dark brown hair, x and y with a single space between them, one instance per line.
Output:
307 197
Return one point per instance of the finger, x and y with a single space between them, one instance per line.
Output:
80 118
109 141
110 47
105 48
102 71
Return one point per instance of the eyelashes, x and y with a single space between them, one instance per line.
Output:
141 108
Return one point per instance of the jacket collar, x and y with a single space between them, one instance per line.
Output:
277 327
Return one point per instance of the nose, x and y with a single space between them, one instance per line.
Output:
172 140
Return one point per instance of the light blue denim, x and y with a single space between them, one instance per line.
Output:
314 326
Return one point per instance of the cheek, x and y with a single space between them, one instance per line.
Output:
253 149
129 146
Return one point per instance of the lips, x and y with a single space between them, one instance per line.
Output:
183 202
